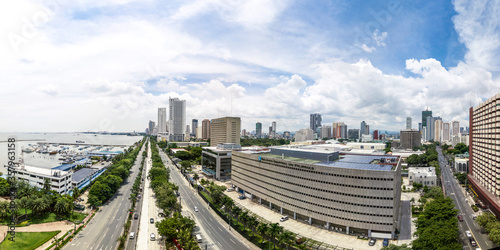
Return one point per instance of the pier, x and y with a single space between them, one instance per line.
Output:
81 144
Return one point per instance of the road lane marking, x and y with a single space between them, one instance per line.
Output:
232 241
219 229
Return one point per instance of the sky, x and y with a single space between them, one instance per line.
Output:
108 65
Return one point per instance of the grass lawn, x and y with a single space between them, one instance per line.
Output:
48 217
27 241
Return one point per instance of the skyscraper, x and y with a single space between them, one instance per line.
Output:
274 129
430 131
426 113
205 129
162 120
375 135
343 131
177 119
258 129
408 122
364 128
151 127
438 130
194 126
225 130
456 128
446 131
336 131
315 121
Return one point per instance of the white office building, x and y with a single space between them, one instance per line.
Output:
177 119
423 175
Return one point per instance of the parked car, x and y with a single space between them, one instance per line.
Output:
242 197
372 242
468 234
151 220
152 237
385 243
284 218
230 189
195 209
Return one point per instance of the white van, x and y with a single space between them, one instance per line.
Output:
198 238
132 235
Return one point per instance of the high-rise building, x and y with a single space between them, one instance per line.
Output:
194 126
438 130
270 132
455 128
205 129
353 134
151 127
430 130
244 132
315 121
446 132
410 138
408 122
162 120
343 131
336 130
258 129
326 132
273 129
484 164
426 113
225 130
362 128
304 135
177 119
375 134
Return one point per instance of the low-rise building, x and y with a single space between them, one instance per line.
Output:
462 163
60 180
423 175
340 192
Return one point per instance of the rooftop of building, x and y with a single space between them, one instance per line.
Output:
66 167
42 171
345 160
82 174
427 171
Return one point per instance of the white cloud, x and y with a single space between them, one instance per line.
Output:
367 49
50 89
478 25
379 38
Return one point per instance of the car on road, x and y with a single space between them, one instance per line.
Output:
473 243
372 242
385 243
474 216
151 220
195 209
284 218
136 216
468 234
460 218
132 235
152 237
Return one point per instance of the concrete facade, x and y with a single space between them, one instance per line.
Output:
423 175
410 138
338 198
225 130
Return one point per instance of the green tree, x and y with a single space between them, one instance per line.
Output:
274 230
434 192
46 184
63 206
485 218
76 193
263 229
252 223
287 238
4 187
39 206
23 204
4 209
417 186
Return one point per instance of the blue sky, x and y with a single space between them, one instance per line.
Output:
109 65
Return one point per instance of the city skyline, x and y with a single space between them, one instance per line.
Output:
109 66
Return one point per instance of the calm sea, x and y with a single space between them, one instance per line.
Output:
23 140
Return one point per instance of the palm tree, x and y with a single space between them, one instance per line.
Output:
196 177
274 230
23 203
46 184
286 237
76 193
4 209
252 222
244 218
236 212
263 229
39 205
